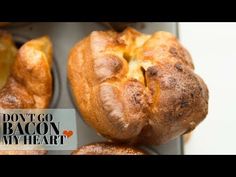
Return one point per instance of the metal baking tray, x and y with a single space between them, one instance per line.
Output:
64 35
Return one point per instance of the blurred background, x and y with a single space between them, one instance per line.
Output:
213 49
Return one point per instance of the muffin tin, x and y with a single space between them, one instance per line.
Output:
64 35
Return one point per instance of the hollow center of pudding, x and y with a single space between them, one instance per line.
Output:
137 66
137 69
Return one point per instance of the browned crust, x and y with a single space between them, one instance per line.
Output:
107 148
181 105
30 150
133 87
23 152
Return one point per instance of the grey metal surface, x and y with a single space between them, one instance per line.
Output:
64 35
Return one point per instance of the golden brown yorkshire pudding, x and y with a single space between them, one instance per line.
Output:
136 88
29 84
108 149
8 53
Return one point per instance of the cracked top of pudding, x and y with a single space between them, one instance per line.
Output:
136 88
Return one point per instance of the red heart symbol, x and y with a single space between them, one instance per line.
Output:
68 133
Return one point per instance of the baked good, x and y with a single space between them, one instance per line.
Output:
8 53
107 148
27 83
28 150
136 88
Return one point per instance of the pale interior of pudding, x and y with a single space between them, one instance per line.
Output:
138 66
137 69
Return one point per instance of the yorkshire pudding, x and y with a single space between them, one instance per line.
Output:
136 88
27 83
30 150
107 148
7 56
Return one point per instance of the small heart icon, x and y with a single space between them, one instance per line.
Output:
68 133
